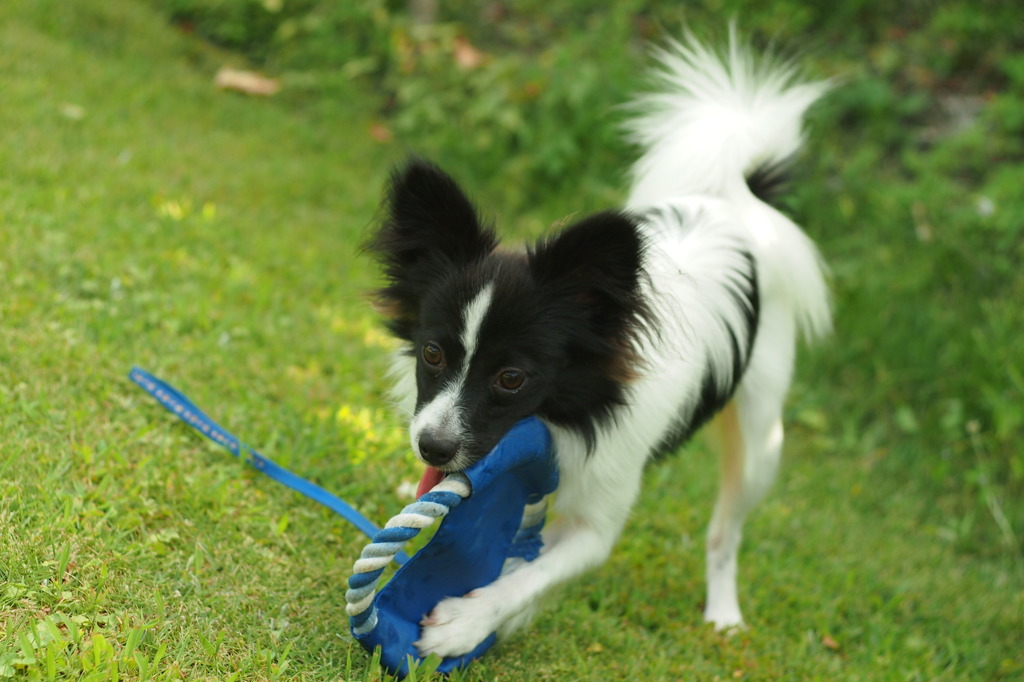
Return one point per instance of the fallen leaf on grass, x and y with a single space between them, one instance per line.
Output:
829 643
248 82
380 132
466 56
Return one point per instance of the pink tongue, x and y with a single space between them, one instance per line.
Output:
431 477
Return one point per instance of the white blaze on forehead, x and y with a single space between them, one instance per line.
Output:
473 320
443 415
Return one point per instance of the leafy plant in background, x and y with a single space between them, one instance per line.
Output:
288 33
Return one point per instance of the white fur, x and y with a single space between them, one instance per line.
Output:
713 121
473 319
713 118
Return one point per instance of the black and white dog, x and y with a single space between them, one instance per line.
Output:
624 332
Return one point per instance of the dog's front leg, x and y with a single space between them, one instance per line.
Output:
457 625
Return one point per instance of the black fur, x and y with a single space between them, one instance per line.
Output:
430 227
770 180
590 277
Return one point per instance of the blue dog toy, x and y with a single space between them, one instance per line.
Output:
492 514
482 508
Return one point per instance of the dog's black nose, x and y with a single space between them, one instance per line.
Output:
437 450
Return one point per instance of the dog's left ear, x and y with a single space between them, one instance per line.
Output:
595 264
429 227
428 218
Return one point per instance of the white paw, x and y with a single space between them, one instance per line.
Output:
725 620
457 625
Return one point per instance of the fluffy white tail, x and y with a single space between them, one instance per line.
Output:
715 118
718 120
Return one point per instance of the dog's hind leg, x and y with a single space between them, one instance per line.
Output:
748 434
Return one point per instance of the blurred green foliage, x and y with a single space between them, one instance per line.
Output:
522 94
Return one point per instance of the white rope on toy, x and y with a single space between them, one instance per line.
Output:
387 542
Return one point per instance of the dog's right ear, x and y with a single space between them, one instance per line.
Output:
429 227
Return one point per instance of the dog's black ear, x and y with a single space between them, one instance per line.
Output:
429 216
429 226
593 271
596 264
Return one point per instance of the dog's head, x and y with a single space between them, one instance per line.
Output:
494 335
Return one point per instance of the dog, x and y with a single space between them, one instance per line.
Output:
624 331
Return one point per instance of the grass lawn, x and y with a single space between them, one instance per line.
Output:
148 219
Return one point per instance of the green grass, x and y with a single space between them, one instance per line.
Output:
146 218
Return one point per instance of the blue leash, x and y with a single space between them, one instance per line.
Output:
185 409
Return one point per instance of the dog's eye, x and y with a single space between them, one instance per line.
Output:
511 380
433 355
